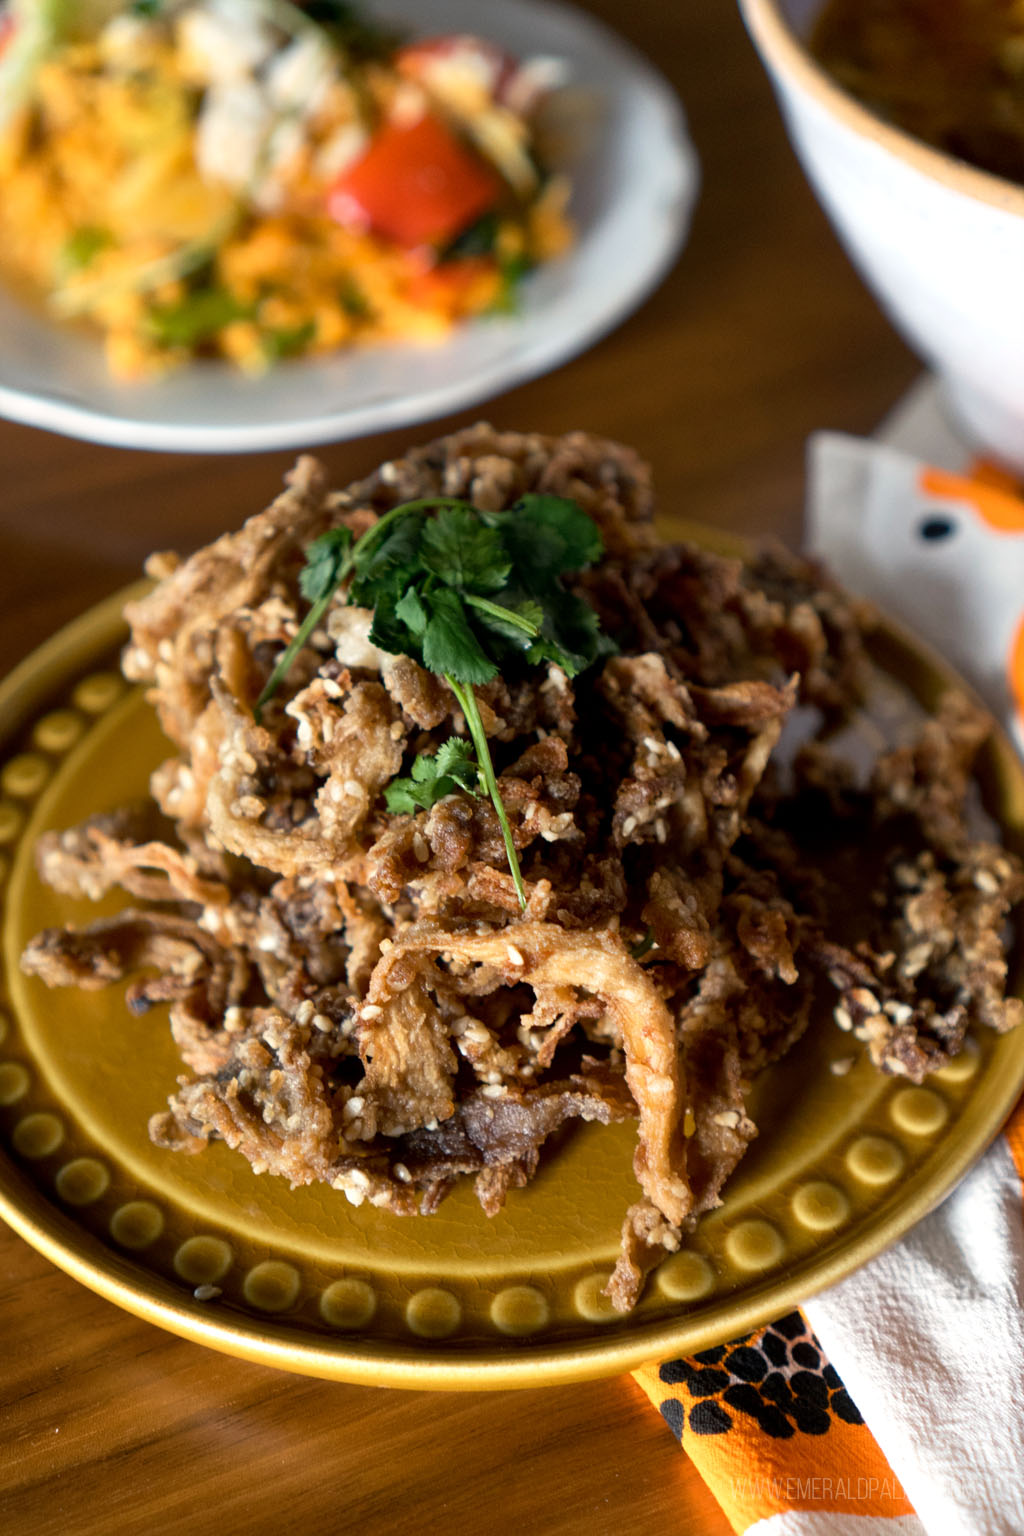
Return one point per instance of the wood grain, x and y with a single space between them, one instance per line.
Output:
761 334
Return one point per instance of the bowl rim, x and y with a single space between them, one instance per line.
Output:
788 57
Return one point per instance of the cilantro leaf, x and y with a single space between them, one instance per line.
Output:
449 644
547 537
324 559
572 639
411 611
463 553
390 633
579 533
451 767
386 559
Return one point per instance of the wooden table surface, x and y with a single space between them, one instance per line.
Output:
761 333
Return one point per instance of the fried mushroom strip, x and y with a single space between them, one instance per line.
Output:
546 955
201 979
104 852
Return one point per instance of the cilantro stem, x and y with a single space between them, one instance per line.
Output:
302 634
497 611
470 708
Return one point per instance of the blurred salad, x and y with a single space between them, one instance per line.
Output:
259 179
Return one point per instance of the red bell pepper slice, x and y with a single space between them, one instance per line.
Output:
416 184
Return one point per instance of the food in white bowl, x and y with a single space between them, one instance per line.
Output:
950 72
941 241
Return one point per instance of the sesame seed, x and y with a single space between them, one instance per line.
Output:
514 955
401 1173
728 1117
863 998
207 1292
370 1011
841 1066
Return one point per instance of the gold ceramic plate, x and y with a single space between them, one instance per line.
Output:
302 1280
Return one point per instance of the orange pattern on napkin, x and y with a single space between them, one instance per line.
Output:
770 1427
1014 1133
999 506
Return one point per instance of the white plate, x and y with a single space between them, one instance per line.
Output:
632 199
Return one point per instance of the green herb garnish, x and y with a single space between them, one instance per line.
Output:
512 271
287 341
353 300
195 318
82 247
466 594
434 775
480 239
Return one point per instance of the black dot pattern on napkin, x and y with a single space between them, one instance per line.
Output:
778 1378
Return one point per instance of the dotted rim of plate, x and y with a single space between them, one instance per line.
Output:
811 1210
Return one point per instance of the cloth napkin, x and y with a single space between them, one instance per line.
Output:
894 1402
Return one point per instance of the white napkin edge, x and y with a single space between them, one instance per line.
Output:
907 1331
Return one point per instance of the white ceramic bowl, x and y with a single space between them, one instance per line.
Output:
941 243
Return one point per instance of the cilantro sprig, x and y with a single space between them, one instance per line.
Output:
434 775
467 594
